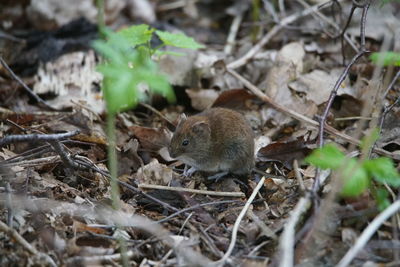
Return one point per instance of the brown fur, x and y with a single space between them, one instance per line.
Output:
219 140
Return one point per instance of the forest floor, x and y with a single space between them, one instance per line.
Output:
287 66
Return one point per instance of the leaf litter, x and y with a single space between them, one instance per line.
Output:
66 213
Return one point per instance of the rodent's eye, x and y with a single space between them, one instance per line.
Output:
185 142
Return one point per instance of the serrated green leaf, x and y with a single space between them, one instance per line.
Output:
126 68
355 179
178 40
382 198
386 58
382 170
137 34
327 157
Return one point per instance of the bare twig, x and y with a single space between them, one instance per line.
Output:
333 24
298 176
287 241
237 223
97 260
196 207
103 214
368 232
10 212
255 90
335 89
128 186
28 247
290 19
230 41
27 89
158 113
194 191
389 108
35 137
264 228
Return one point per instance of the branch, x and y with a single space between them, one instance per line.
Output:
368 232
35 137
194 191
252 52
27 89
238 221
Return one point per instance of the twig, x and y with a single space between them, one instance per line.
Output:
32 250
35 137
255 90
196 207
94 260
368 232
264 228
211 244
103 214
290 19
10 212
65 156
390 86
230 41
333 24
389 108
287 244
27 89
157 112
335 89
194 191
237 222
130 187
298 176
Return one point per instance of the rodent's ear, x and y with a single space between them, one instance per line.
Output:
182 118
201 128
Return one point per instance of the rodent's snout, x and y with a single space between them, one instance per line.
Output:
171 153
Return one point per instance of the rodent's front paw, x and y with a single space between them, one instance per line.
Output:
217 176
189 172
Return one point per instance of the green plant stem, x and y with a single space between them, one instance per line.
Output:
100 15
112 166
112 160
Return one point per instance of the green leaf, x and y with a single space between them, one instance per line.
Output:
386 58
137 34
382 198
126 68
178 40
326 157
355 179
382 170
171 53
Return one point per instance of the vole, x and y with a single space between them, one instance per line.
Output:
217 140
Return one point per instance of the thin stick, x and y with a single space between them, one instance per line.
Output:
298 176
35 137
335 89
330 22
27 89
195 207
32 250
368 232
230 41
252 52
95 260
255 90
194 191
158 113
238 220
287 244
